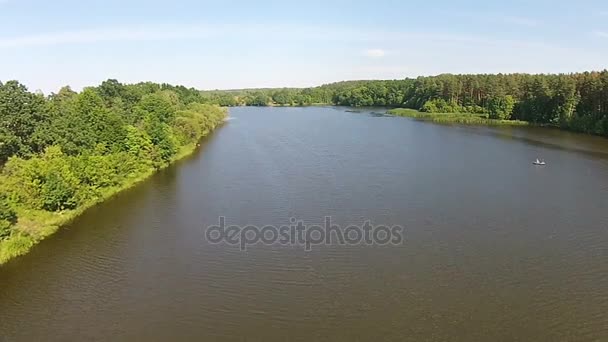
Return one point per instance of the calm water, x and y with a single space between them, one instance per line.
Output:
495 249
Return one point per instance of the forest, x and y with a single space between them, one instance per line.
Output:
577 101
62 153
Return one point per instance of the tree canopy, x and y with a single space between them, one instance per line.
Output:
67 150
577 101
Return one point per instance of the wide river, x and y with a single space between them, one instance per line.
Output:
495 248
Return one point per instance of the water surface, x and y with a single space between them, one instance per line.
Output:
495 248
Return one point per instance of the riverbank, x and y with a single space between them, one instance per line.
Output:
35 225
144 251
460 118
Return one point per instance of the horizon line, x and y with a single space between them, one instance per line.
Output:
235 89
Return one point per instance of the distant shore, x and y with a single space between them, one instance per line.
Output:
460 118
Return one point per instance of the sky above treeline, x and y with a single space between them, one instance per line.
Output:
245 44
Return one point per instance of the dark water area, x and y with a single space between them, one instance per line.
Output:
495 249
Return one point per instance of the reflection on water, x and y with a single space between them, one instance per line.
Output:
551 138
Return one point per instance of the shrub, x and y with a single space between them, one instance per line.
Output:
59 191
8 218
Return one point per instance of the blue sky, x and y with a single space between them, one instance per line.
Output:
238 44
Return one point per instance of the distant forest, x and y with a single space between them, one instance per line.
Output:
66 151
577 101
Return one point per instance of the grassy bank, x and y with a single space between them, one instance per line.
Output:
460 118
64 153
35 225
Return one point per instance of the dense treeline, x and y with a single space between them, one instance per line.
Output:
68 150
63 152
267 97
574 101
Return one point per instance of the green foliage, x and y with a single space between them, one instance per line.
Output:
259 99
8 218
159 105
5 229
58 190
69 150
572 101
160 135
441 106
137 142
20 113
42 182
283 97
501 107
462 118
196 121
17 245
227 100
7 213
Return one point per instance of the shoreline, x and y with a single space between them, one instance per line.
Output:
457 118
37 225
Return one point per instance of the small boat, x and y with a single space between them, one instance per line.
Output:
539 162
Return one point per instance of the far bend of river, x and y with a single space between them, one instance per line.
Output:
495 249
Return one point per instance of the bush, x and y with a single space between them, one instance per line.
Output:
86 146
8 218
6 211
59 191
441 106
501 108
5 229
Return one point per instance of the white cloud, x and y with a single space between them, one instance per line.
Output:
104 35
601 34
171 33
376 53
436 52
161 33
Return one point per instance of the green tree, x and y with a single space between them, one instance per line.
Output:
501 107
159 105
259 99
20 113
8 218
162 140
